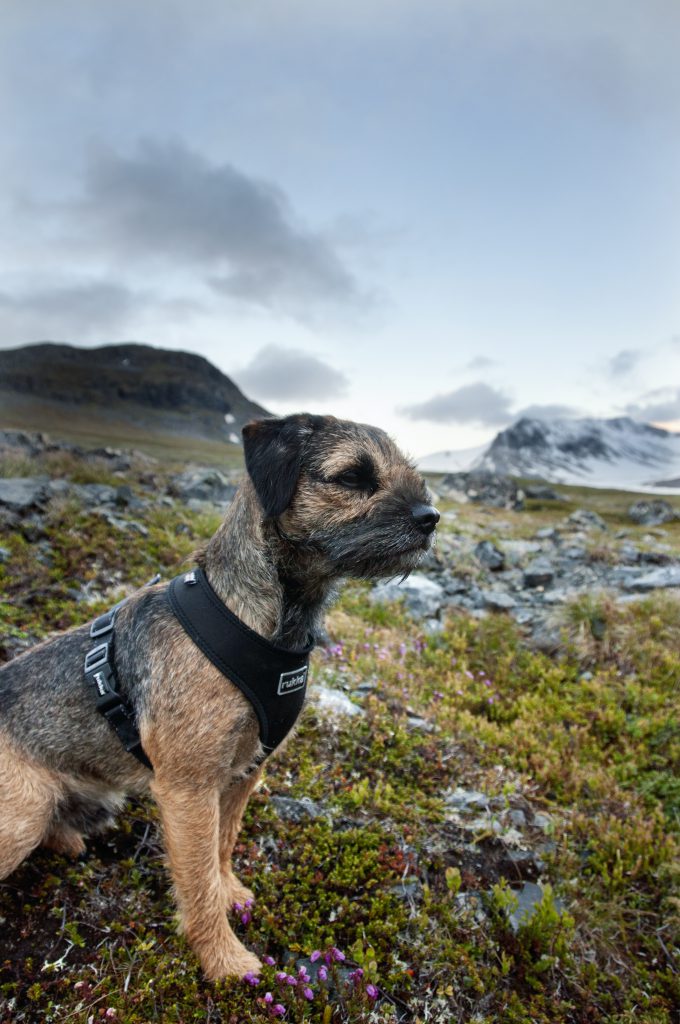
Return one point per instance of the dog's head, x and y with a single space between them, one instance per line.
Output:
342 490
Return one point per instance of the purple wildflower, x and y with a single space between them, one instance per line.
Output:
251 978
281 976
268 960
322 974
246 918
371 992
302 974
489 700
278 1010
315 955
487 682
337 954
290 980
268 997
238 907
307 993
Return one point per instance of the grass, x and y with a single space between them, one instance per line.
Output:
386 875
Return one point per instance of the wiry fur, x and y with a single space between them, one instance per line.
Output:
324 499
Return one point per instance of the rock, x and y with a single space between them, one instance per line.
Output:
422 595
498 600
290 809
334 701
409 890
529 897
517 817
539 573
21 493
122 524
517 550
202 484
5 555
542 820
666 576
542 492
489 555
484 488
466 800
575 552
417 724
584 519
96 494
652 513
548 533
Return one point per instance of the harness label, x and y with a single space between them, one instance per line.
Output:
289 682
101 684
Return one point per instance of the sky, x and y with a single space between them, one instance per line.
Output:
430 215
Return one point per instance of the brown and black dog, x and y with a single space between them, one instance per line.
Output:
323 499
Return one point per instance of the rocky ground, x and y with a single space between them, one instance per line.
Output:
475 821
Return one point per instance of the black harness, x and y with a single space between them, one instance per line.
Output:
274 679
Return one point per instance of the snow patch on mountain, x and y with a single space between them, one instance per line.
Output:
619 453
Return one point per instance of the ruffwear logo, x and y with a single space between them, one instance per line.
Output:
289 682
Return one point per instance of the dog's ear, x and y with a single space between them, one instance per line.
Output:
273 450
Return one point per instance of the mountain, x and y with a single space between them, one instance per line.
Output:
618 453
120 392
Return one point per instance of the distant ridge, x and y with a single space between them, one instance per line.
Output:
115 388
619 453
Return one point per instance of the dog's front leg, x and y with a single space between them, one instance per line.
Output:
233 802
190 820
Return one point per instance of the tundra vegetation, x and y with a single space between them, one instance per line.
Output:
490 836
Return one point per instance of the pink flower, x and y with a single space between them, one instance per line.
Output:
337 954
315 955
251 978
281 976
110 1013
246 918
323 973
278 1010
371 992
268 997
307 993
290 980
268 960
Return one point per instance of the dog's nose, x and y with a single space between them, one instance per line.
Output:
426 517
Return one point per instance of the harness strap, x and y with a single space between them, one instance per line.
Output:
100 674
274 679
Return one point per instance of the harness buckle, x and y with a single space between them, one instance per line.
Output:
97 657
104 624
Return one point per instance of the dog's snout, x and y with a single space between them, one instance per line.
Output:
426 517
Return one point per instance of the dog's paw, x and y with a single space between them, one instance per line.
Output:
66 841
238 893
237 962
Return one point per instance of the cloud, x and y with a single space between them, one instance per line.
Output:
480 363
167 205
290 374
67 311
624 361
472 403
658 406
549 412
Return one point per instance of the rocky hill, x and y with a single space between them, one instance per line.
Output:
136 388
618 453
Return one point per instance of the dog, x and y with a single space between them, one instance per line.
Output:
323 499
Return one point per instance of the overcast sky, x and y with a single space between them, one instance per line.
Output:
432 216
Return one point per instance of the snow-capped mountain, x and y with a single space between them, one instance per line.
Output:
598 453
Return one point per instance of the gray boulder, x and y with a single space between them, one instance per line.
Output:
19 494
424 597
485 488
652 513
584 519
489 555
202 484
539 573
666 576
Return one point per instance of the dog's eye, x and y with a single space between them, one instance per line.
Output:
348 479
354 480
